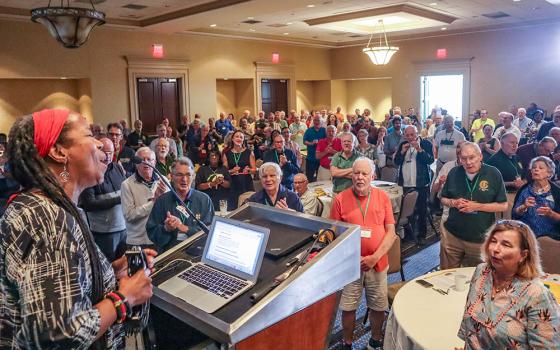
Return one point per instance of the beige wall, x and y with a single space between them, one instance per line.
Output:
374 94
312 95
24 96
235 96
32 53
339 95
515 66
304 95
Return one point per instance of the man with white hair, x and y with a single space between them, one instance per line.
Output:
164 160
273 193
445 143
508 127
162 134
138 194
371 209
414 157
522 122
507 162
474 192
169 222
308 198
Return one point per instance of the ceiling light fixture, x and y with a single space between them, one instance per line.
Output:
252 30
213 25
286 33
443 28
289 23
380 55
433 4
70 26
310 5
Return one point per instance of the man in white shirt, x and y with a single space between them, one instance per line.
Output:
508 126
308 198
445 143
138 194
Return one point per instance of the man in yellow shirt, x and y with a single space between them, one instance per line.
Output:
479 123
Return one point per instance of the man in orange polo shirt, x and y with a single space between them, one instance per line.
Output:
370 208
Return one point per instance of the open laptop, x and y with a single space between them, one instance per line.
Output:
230 265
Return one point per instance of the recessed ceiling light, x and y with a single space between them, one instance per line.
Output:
286 33
213 25
289 23
433 4
516 0
252 30
310 5
443 28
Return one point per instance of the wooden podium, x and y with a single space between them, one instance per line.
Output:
299 313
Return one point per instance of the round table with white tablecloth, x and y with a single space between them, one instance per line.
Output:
423 318
323 190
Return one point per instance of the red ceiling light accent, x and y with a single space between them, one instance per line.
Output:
441 54
275 57
157 50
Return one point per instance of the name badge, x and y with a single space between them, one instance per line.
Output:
366 234
182 210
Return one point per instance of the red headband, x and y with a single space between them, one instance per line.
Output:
48 125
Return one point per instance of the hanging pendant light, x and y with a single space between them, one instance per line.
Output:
70 26
380 55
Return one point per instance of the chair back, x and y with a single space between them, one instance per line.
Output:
549 254
389 173
320 207
394 255
408 203
243 197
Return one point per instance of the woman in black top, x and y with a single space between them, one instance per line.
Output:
240 162
489 145
55 284
214 179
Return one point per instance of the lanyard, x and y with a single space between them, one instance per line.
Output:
512 163
450 136
471 189
236 157
360 206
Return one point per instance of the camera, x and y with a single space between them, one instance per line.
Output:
136 260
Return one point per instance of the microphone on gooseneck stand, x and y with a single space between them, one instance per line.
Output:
202 225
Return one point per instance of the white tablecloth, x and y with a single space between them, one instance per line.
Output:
422 318
394 191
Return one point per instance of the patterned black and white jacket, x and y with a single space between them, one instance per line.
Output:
45 280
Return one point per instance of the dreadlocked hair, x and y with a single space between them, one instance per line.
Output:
31 171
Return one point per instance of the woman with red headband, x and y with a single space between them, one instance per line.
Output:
56 288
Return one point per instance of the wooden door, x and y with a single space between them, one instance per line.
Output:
159 98
274 95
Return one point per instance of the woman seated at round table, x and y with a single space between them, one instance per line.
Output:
537 203
273 193
508 307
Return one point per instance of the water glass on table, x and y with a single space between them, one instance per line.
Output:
223 206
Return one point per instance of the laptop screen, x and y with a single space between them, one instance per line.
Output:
236 247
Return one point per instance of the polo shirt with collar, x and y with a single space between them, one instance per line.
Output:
487 186
339 161
509 167
346 207
292 199
310 135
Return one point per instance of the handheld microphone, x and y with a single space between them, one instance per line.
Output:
202 225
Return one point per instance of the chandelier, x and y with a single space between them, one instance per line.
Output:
380 55
70 26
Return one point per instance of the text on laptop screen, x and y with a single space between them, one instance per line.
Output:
234 246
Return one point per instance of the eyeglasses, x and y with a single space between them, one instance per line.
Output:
512 223
182 175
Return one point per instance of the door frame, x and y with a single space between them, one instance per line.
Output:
461 66
141 67
266 70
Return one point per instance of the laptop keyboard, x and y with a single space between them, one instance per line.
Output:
213 281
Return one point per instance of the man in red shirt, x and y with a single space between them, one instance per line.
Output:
326 148
370 208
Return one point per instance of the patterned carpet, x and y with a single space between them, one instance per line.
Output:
418 260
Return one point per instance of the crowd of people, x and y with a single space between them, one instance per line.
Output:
85 183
